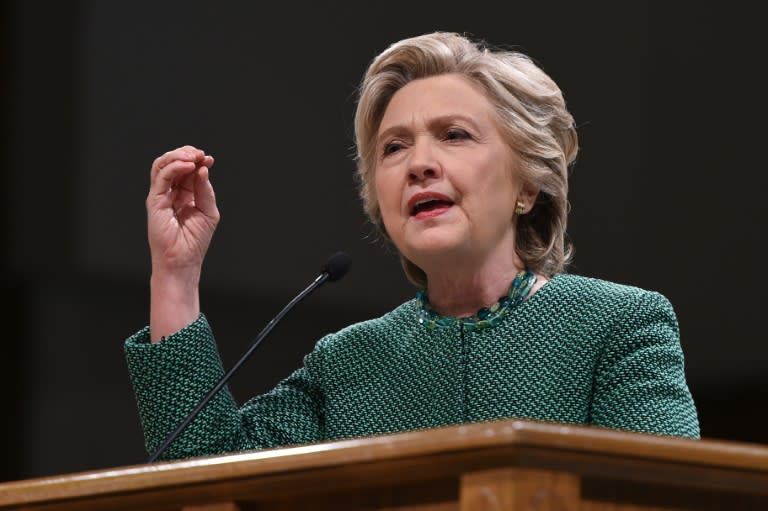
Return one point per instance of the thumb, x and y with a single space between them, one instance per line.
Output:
205 198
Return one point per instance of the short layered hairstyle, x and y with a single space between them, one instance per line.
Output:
532 118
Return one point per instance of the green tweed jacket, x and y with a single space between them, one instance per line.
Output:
579 351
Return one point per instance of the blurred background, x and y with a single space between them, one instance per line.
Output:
667 194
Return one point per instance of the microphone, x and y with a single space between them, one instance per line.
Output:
334 269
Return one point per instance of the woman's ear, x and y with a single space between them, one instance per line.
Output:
528 197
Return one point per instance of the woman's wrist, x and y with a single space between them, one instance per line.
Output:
174 302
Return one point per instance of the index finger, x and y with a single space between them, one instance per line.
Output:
184 153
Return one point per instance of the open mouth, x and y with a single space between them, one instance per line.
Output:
430 206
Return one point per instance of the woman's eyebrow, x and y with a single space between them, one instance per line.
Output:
438 121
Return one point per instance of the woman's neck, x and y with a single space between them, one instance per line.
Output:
462 293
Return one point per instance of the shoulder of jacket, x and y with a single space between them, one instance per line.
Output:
397 319
604 290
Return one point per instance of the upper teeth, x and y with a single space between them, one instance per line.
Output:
424 201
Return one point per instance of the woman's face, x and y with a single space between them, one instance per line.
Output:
444 175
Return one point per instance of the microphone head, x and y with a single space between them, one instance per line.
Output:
337 266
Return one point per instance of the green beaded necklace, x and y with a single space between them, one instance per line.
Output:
487 316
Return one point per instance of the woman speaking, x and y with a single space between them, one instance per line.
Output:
463 156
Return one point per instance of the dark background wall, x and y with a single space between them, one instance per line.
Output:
667 194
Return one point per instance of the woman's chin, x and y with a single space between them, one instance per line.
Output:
432 248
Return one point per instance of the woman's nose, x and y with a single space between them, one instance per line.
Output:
423 163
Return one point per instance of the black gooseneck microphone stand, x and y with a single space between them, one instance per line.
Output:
336 267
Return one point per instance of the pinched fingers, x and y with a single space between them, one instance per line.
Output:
185 153
195 190
179 181
169 176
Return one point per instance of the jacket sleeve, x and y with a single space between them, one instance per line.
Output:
171 377
640 380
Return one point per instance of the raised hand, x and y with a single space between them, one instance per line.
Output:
181 218
181 209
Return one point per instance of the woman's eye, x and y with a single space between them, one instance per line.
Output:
456 134
391 148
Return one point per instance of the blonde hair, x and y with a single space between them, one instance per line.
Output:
532 116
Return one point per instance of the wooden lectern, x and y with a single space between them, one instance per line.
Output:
485 466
